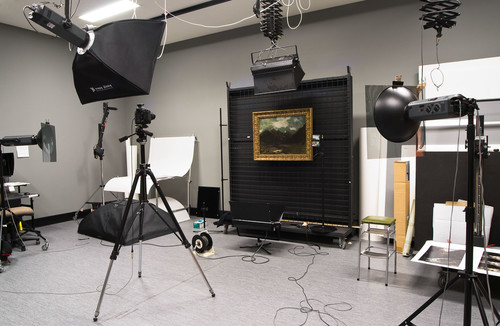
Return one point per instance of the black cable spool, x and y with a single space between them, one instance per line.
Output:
202 242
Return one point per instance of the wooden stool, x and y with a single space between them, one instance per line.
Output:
389 228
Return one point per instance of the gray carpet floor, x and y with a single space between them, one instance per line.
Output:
298 284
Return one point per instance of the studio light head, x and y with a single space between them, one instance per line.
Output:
276 69
59 25
114 60
398 114
45 139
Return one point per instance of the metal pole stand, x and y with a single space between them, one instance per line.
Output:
141 175
99 153
100 187
2 214
472 283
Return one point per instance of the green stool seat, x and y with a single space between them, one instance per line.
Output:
379 220
386 227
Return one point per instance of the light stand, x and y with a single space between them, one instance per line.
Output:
2 206
472 283
99 153
481 153
143 117
397 116
323 229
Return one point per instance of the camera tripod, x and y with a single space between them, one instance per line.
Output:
144 171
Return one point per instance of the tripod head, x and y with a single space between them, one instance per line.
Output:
142 133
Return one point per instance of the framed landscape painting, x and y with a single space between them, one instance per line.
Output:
282 135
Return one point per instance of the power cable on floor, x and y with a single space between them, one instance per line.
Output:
326 312
98 288
253 258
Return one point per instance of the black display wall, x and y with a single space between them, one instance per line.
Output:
298 185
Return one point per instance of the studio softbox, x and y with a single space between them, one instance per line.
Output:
105 222
120 62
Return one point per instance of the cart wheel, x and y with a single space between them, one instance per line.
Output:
45 246
442 280
342 243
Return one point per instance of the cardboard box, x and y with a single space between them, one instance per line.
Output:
401 201
401 171
444 214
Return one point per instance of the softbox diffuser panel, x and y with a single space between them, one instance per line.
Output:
121 61
46 138
105 222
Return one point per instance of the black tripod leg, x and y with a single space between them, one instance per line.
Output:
116 248
185 242
479 301
428 302
2 214
485 294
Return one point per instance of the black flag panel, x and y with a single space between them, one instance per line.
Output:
121 61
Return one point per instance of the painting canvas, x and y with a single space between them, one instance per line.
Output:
282 135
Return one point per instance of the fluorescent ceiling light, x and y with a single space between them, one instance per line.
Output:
112 9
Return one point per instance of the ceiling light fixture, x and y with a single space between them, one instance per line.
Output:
112 9
276 69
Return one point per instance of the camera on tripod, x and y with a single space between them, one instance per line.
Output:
143 116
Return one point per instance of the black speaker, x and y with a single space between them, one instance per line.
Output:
279 74
120 62
208 202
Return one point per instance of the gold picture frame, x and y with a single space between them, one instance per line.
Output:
282 135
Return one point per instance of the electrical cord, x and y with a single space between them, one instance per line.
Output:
438 68
246 258
451 216
76 9
145 244
166 12
306 306
422 77
27 19
288 4
300 8
98 288
483 218
165 33
253 258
